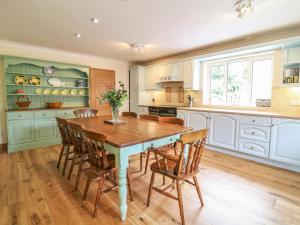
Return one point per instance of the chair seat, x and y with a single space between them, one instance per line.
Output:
167 169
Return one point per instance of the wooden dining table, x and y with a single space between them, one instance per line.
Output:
133 137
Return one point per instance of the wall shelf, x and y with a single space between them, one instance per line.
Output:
46 86
41 95
45 75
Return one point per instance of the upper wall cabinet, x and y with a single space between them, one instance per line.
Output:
136 78
291 66
151 77
191 75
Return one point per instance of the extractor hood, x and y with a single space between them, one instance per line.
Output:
169 79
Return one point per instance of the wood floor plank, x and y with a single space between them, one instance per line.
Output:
235 191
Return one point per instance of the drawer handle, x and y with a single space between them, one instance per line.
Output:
252 132
19 116
252 148
44 114
65 113
152 145
253 121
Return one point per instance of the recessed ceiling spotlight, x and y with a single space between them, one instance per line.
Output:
95 20
137 47
77 35
243 6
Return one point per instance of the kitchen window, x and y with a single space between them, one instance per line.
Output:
238 81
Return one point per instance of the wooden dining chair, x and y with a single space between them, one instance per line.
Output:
85 112
66 143
80 153
143 154
102 166
133 114
180 168
168 148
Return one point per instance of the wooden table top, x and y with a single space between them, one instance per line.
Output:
134 131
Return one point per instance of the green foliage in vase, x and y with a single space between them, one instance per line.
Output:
115 97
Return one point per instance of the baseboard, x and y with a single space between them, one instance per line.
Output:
3 147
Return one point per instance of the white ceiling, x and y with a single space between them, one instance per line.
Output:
168 26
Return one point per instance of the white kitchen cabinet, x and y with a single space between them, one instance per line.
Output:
142 110
133 77
256 133
292 54
285 141
256 148
151 77
182 114
197 120
224 130
191 75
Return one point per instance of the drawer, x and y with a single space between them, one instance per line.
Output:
254 120
161 142
257 133
65 113
19 115
44 114
256 148
143 110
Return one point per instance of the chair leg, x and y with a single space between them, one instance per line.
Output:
66 160
86 190
62 151
129 186
72 165
164 180
141 162
150 189
147 161
178 183
79 173
98 195
198 190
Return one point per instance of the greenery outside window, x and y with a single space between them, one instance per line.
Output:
238 81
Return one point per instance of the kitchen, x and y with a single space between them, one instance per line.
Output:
150 112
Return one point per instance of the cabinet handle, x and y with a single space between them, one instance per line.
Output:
253 121
252 148
252 132
44 114
19 116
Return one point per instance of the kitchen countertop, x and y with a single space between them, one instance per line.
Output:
239 112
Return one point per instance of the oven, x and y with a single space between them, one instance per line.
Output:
163 111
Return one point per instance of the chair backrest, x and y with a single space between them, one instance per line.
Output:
194 142
63 130
93 142
75 132
149 117
172 120
133 114
85 112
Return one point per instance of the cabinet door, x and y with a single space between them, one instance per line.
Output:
224 129
183 115
285 141
188 70
134 99
151 78
45 129
197 120
133 78
20 132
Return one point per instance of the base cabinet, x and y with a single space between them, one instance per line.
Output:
285 141
33 129
224 130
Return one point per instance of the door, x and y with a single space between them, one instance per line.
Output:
45 129
285 141
224 129
100 81
197 121
20 132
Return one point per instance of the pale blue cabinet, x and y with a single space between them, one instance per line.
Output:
21 132
34 129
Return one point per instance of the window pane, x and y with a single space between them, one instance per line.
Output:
217 85
238 84
262 80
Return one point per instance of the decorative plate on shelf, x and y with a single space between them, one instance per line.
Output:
64 92
47 91
20 80
49 70
35 80
73 92
39 91
56 82
55 92
81 92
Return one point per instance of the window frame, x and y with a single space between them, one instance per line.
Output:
225 62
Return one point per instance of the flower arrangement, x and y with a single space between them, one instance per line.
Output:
115 98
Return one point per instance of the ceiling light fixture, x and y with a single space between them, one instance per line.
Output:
137 47
243 6
77 35
95 20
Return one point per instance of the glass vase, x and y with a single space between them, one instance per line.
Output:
115 114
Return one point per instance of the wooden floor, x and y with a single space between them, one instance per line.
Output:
235 191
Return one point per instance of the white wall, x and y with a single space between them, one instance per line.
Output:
41 53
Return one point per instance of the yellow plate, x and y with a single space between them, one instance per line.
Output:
73 92
20 80
35 80
39 91
47 91
65 92
55 92
81 92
